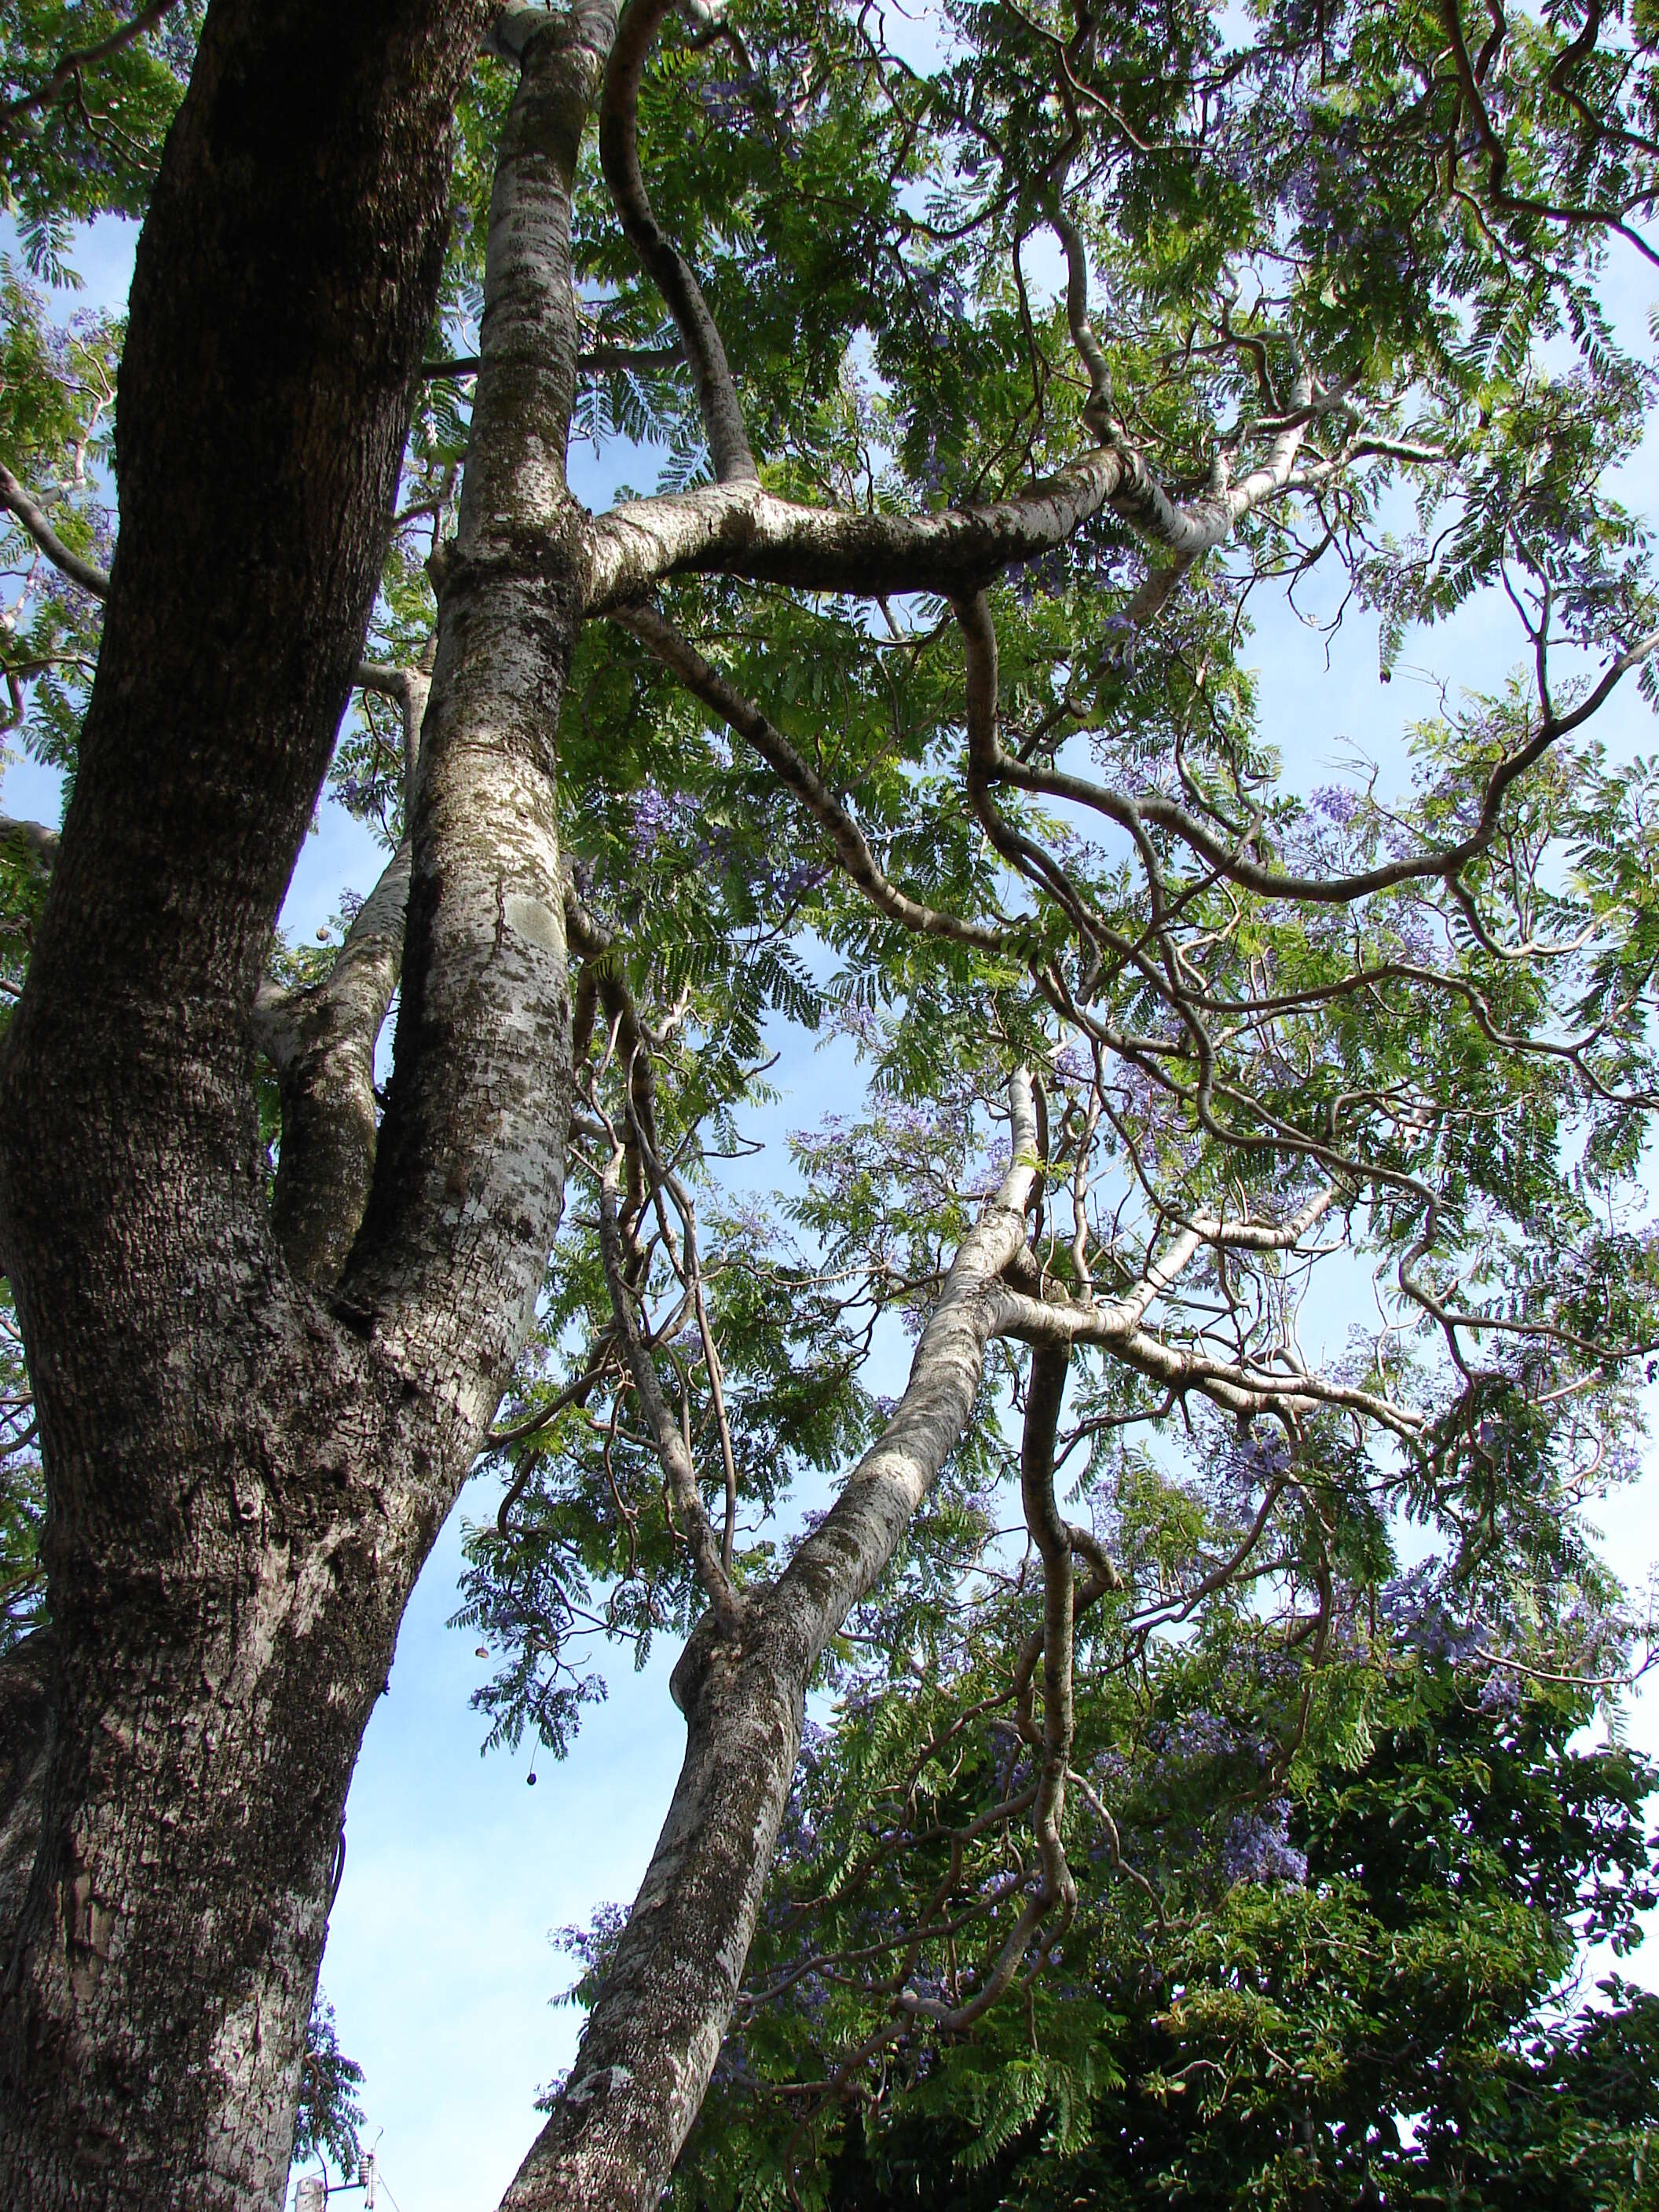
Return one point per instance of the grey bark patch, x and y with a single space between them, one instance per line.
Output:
529 918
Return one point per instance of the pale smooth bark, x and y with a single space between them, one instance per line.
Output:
736 529
321 1042
654 2035
469 1176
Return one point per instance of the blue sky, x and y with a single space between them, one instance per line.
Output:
439 1964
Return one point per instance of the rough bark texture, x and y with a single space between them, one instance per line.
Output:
735 528
321 1042
652 2041
27 1689
232 1527
455 1242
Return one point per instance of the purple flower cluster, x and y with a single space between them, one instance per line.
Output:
1258 1848
1050 572
1247 1465
593 1944
659 815
729 102
943 302
1201 1735
1336 803
1420 1618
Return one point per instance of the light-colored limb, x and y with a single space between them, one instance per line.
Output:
737 528
29 511
321 1042
839 1563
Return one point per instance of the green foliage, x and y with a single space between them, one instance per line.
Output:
90 145
22 1495
1251 194
79 138
330 2115
56 396
1340 1986
1345 264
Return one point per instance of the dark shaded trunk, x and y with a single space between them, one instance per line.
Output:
240 1491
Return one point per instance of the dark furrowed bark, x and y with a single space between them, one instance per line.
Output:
25 1692
284 283
28 1686
238 1498
207 1718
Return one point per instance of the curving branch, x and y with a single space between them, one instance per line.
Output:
71 63
852 851
1497 152
1098 409
1055 1542
619 156
594 360
1188 528
979 643
1036 1310
738 529
706 1553
29 511
1229 859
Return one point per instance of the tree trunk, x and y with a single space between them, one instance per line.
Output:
667 1998
240 1490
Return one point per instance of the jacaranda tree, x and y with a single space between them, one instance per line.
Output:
988 378
1316 1959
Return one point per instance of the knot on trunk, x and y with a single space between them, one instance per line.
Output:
712 1651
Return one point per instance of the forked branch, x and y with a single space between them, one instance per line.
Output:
74 61
852 851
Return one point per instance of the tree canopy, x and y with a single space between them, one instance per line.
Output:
1258 1165
1317 1964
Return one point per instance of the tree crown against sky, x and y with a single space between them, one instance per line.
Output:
993 382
